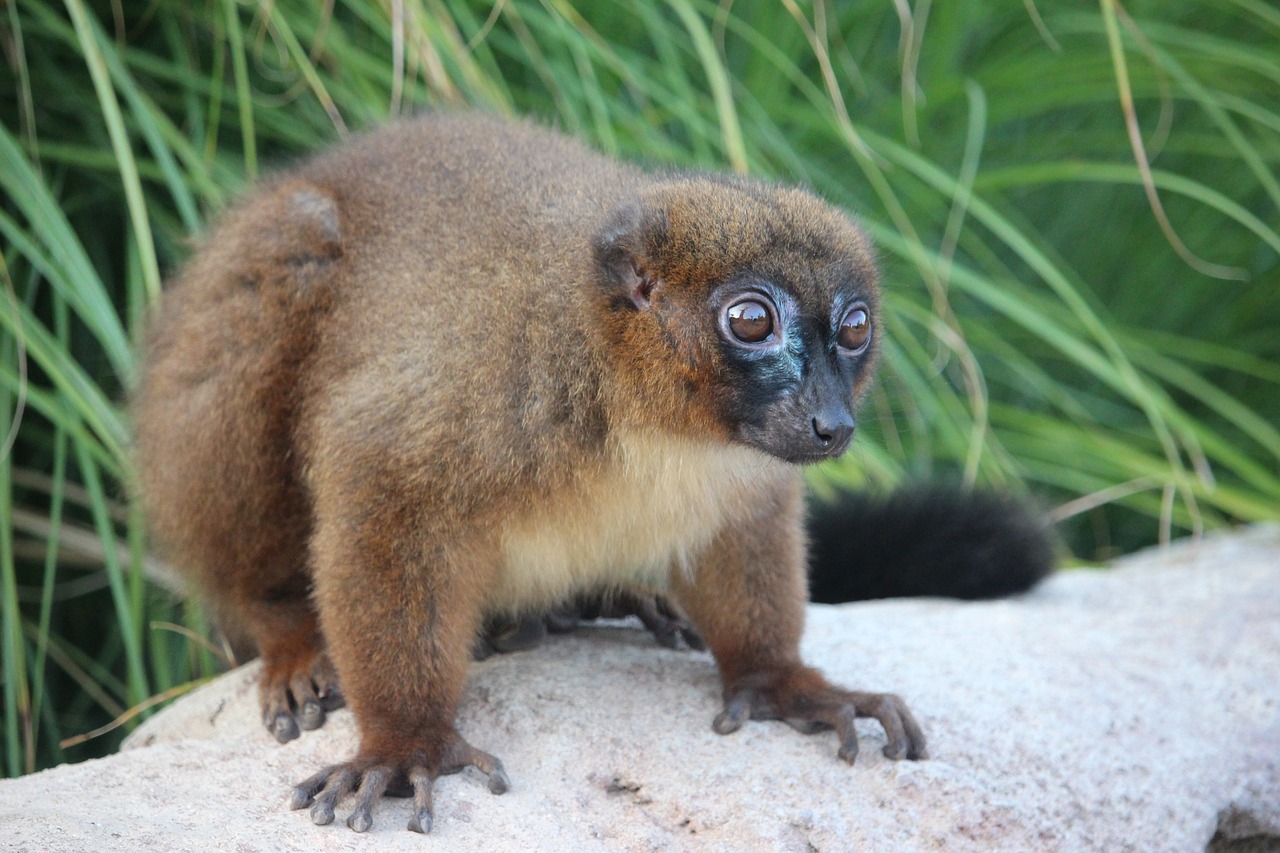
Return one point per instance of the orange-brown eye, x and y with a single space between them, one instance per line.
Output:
855 329
750 321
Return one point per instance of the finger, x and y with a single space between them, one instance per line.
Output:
679 623
526 633
645 608
888 710
847 731
482 649
499 782
331 698
324 679
372 787
490 766
561 621
283 727
310 713
916 746
467 755
735 713
304 793
340 784
421 781
692 638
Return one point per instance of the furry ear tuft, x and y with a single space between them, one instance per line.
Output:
306 229
625 251
316 210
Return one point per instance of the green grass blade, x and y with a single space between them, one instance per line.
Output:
59 254
91 39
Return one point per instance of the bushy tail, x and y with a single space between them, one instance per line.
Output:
929 540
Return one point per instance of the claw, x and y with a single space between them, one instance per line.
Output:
284 728
300 799
310 715
466 755
331 698
499 782
420 822
734 714
916 750
322 814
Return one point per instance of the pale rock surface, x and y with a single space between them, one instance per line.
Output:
1134 709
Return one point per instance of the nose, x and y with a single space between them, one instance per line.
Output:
832 430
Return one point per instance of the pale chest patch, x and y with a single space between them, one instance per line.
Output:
656 503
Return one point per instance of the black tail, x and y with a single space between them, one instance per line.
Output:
926 540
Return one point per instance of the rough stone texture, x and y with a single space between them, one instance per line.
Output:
1135 709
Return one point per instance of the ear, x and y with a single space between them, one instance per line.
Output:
318 212
625 255
308 226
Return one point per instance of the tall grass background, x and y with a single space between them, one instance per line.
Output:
1076 206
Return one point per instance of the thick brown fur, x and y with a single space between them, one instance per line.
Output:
463 367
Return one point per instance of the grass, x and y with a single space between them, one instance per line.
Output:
1076 206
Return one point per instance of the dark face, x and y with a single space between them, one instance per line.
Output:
793 366
758 303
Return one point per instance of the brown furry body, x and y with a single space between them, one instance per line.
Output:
399 391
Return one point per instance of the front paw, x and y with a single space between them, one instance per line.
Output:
297 693
805 700
370 776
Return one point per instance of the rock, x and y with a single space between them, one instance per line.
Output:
1137 708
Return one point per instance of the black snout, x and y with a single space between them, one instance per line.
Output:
832 431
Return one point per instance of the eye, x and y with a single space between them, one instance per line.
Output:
750 321
855 329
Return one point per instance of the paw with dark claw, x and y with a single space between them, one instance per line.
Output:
664 620
369 778
657 613
297 698
803 698
504 634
